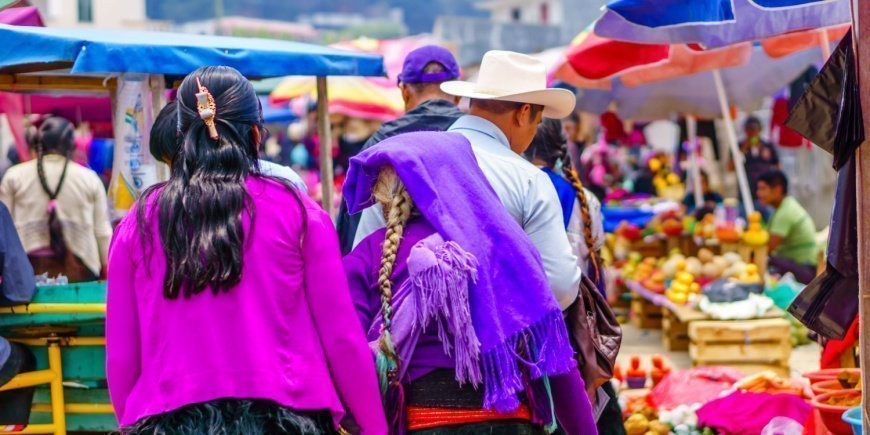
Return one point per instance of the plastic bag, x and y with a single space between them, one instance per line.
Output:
784 291
782 426
829 112
830 302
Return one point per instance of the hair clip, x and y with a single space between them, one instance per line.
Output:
206 108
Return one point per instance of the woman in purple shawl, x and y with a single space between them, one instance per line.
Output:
465 330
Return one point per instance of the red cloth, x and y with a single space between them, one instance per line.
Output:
787 137
834 348
426 418
614 131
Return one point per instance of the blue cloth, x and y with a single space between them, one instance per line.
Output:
90 50
613 216
5 350
715 23
565 191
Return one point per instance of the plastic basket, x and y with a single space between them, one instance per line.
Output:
853 417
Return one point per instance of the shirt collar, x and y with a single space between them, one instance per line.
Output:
481 125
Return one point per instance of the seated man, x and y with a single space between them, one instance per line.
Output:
792 231
16 288
711 197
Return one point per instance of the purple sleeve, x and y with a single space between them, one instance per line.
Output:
350 360
123 363
361 279
573 409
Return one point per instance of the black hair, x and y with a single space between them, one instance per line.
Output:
501 107
752 121
549 144
55 135
573 116
164 134
774 178
200 208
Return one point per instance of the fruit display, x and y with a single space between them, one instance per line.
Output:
635 375
671 223
706 229
636 424
769 382
755 235
659 370
844 400
849 380
683 287
683 416
750 275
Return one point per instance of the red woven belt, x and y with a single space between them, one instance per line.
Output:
427 418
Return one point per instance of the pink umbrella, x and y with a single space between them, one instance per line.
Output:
26 16
12 104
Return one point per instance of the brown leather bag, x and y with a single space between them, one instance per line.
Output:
595 335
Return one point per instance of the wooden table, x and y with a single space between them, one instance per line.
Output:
676 319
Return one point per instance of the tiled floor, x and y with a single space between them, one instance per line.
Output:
649 342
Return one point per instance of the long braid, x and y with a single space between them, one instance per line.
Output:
57 244
398 212
571 175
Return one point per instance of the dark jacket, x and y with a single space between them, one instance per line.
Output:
432 115
17 283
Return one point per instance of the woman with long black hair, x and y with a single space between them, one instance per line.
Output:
583 221
59 207
228 311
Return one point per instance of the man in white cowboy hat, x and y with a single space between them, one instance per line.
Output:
507 103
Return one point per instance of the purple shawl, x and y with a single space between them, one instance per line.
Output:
513 311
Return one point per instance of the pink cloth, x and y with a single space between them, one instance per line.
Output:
742 413
287 332
696 385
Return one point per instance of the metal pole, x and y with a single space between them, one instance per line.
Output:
325 136
694 169
736 155
218 15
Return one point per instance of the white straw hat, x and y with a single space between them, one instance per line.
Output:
509 76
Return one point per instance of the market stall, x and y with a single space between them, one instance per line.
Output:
134 69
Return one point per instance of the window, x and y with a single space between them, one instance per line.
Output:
545 13
516 14
86 11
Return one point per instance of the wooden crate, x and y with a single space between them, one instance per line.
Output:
645 314
675 332
752 344
651 247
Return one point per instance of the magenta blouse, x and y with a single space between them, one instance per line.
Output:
287 332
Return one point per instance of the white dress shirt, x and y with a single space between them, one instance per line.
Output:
528 195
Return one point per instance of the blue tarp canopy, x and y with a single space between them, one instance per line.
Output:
276 114
85 51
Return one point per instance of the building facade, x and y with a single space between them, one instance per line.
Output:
127 14
526 26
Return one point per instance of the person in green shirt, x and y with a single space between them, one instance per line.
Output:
792 231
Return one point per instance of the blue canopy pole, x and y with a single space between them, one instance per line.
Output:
325 136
